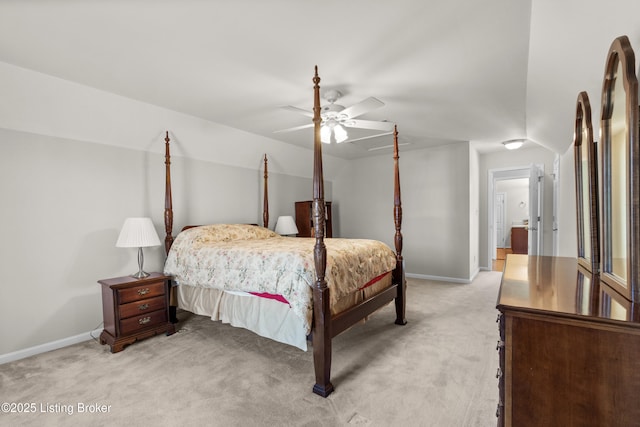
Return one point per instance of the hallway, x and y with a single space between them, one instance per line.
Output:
501 255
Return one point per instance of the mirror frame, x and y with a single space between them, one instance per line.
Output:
583 137
621 54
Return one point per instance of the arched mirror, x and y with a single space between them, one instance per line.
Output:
620 266
586 187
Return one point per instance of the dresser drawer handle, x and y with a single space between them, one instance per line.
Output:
143 291
144 320
499 316
499 373
499 345
143 307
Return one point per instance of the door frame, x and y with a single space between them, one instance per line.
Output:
504 216
500 174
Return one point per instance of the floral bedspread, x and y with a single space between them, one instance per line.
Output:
254 259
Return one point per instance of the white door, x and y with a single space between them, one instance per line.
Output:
500 220
556 179
536 176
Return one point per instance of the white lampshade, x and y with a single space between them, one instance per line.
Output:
286 226
138 233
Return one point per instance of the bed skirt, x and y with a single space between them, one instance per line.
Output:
266 317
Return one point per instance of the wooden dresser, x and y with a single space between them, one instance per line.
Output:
304 219
520 240
569 347
134 309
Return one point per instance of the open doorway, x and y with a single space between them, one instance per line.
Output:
515 206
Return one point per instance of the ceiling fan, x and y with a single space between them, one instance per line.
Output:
335 118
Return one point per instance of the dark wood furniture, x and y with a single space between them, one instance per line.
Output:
304 219
586 177
520 240
620 255
568 347
325 325
134 309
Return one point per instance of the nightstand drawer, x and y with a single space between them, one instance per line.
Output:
143 321
141 307
137 293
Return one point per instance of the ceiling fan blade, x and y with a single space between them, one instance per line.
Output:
294 129
362 107
298 110
369 124
369 137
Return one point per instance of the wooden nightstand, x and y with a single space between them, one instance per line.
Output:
134 309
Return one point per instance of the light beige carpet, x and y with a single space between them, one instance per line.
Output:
438 370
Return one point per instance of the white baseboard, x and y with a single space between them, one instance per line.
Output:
53 345
439 278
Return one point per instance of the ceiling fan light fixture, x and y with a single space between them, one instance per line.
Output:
513 144
340 133
325 134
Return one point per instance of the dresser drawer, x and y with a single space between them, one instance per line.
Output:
142 321
142 307
137 293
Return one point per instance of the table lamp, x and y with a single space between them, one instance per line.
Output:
138 233
286 226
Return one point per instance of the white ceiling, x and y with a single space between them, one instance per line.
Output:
460 70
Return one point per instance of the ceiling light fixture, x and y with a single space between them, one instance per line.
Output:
513 144
332 127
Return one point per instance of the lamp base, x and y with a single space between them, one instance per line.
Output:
140 274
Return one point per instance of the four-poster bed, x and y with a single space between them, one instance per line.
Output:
326 285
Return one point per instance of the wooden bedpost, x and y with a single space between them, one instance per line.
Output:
168 225
168 202
398 273
265 196
321 308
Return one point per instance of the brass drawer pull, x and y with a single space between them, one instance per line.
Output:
143 307
144 320
143 291
500 344
499 373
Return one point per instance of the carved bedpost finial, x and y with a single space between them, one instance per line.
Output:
168 203
398 273
397 202
265 206
321 292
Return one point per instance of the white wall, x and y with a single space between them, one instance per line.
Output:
76 162
474 211
436 200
